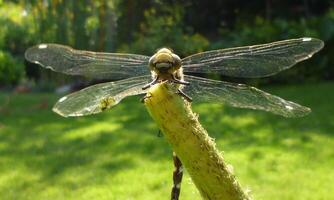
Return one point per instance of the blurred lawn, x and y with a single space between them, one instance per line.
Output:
117 154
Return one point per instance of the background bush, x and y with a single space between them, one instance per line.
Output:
11 71
186 26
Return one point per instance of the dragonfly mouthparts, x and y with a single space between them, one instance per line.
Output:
163 66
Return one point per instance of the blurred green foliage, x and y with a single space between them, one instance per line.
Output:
13 40
262 31
186 26
164 27
16 29
10 69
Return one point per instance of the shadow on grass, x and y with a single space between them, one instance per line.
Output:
42 142
34 138
244 127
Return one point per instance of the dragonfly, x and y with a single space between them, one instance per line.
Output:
136 73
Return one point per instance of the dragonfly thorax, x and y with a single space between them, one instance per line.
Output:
164 61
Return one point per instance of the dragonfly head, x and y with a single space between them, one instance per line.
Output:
165 61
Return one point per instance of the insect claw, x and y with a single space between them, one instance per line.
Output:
180 82
159 133
146 86
148 95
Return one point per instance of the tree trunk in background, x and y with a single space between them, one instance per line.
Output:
62 22
102 31
268 9
80 14
306 8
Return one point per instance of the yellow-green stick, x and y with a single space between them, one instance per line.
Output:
192 144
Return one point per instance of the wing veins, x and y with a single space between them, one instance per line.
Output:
242 96
253 61
88 100
86 63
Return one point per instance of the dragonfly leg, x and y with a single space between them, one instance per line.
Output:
177 177
180 92
175 80
151 83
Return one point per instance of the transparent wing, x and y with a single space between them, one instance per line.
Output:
242 96
64 59
97 98
253 61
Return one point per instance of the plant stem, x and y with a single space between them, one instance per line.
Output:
177 177
191 143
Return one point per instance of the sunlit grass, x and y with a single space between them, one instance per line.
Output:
118 155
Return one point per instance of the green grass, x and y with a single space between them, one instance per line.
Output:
117 154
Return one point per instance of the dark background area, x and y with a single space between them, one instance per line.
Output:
144 26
